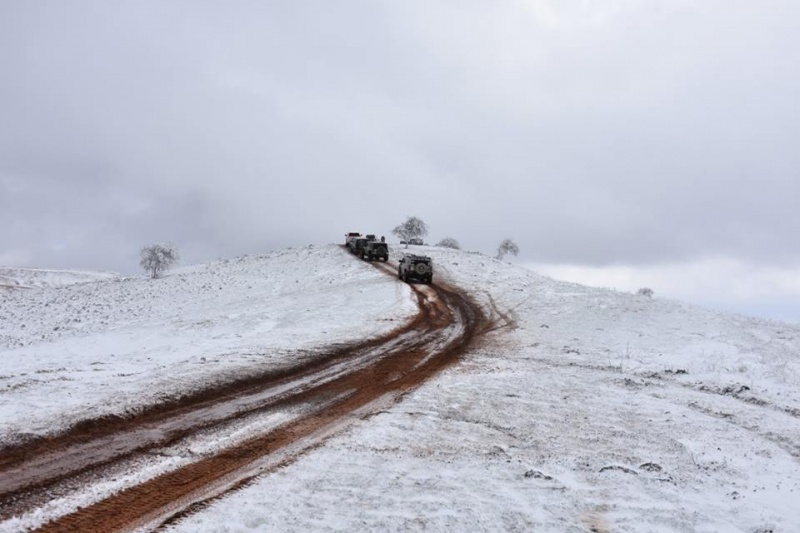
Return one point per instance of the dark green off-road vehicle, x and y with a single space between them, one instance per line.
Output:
375 250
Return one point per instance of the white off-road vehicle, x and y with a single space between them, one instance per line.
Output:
349 236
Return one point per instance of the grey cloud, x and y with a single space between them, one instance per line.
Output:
623 133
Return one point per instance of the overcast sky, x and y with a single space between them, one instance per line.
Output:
636 140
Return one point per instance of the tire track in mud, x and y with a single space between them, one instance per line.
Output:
509 317
327 395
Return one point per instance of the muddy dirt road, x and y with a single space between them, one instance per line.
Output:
143 471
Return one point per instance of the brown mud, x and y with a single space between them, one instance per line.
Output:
346 384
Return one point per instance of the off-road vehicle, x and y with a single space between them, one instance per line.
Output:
375 250
357 245
349 236
416 267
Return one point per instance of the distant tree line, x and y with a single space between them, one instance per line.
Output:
416 228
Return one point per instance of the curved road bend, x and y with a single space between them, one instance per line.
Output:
311 402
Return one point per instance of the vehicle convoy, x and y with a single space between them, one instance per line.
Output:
375 250
367 247
411 266
415 267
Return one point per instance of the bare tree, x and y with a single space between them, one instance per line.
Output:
449 242
157 258
412 228
507 247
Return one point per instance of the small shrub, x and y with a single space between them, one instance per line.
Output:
449 242
507 247
647 292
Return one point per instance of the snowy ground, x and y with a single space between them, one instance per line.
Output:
30 277
88 350
588 410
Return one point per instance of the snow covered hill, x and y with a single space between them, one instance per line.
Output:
583 410
99 349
